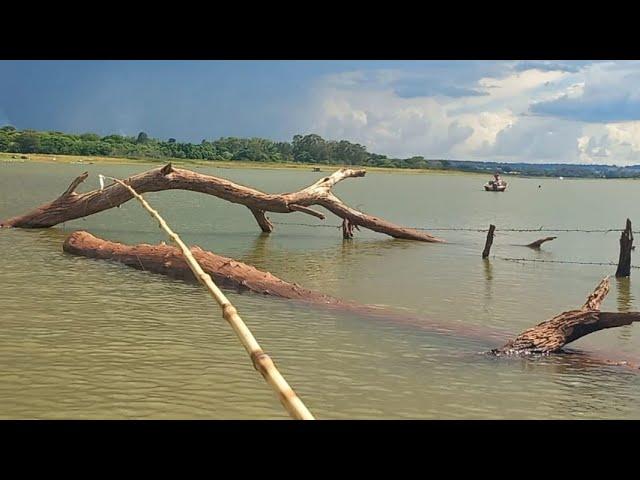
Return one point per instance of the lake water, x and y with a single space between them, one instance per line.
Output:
82 338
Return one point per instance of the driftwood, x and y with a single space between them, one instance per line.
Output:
539 242
626 245
71 205
168 260
550 336
238 276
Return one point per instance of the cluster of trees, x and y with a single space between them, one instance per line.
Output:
310 149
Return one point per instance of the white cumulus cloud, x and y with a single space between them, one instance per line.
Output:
522 111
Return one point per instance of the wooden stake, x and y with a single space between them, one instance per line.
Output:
261 361
626 244
489 242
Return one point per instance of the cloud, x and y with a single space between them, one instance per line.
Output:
412 113
548 66
536 139
560 112
568 111
609 92
409 84
615 143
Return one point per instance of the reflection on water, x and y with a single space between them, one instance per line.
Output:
488 274
624 297
82 338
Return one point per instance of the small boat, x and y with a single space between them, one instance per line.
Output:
496 185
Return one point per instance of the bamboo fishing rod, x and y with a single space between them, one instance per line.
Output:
261 361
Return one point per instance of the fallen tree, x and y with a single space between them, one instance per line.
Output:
168 260
552 335
71 205
233 275
547 337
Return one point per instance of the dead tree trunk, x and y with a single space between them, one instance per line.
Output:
168 260
231 274
550 336
489 242
71 205
626 245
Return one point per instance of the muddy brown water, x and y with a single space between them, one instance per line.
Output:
82 338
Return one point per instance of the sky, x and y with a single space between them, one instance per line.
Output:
532 111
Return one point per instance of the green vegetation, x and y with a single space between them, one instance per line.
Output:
304 149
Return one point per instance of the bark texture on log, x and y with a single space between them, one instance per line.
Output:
489 242
234 275
168 260
71 205
626 245
551 335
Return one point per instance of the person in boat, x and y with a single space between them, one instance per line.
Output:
497 181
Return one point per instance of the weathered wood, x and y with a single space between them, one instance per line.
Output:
241 277
626 245
552 335
168 260
539 242
489 241
265 224
71 205
234 275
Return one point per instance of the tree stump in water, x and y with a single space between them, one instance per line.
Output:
626 245
489 242
550 336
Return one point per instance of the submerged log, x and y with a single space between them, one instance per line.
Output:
71 205
550 336
168 260
626 245
230 274
238 276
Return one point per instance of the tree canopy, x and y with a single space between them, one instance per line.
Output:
309 149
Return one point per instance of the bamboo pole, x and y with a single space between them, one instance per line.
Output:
261 361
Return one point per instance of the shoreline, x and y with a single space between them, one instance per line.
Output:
7 157
186 163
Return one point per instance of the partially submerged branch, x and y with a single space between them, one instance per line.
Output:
168 260
71 205
539 242
230 274
552 335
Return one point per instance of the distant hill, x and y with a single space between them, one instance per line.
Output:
309 149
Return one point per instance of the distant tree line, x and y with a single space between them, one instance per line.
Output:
309 149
